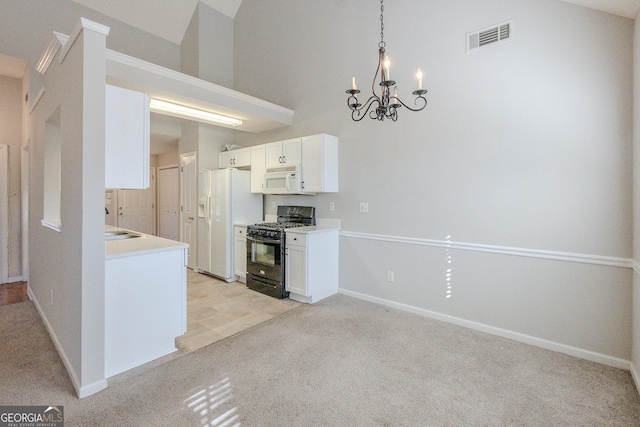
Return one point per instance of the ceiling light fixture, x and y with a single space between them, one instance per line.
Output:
386 103
183 112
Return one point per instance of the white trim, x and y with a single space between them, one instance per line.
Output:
502 250
57 41
635 376
636 266
174 166
4 213
516 336
35 101
15 279
52 225
84 23
82 391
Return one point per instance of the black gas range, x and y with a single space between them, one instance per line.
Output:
266 249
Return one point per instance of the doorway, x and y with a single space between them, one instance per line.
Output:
133 209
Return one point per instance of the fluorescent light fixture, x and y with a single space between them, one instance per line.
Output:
184 112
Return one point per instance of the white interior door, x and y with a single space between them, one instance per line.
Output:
111 207
188 204
168 203
136 208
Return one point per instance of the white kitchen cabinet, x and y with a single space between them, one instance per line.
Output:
240 252
240 158
320 164
311 266
284 153
258 168
145 301
127 146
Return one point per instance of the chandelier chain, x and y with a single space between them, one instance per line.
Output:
382 44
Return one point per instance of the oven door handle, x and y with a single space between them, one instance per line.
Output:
277 242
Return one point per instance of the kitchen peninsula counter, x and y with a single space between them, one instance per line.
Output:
145 299
145 244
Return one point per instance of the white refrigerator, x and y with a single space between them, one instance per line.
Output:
224 199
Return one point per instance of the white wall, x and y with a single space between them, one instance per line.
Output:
26 27
635 359
206 50
524 145
67 266
11 135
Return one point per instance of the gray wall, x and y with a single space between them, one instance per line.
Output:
67 266
206 50
635 360
11 135
524 148
26 26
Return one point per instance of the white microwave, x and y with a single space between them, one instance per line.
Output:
285 180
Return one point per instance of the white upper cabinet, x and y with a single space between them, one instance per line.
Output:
127 149
258 163
240 158
320 164
284 153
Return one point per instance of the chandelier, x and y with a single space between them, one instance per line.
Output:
385 103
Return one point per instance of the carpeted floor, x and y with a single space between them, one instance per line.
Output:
341 362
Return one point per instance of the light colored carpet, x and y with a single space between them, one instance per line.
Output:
341 362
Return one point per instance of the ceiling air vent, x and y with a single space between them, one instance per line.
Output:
487 36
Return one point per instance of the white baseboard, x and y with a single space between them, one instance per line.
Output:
14 279
635 376
516 336
80 390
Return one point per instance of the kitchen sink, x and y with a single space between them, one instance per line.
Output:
120 235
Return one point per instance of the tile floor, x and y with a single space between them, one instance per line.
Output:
217 309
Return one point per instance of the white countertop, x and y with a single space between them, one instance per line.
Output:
140 245
323 225
311 229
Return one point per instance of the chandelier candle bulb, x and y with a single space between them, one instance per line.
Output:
353 84
419 75
387 68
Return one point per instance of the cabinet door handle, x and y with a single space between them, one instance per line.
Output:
280 159
284 159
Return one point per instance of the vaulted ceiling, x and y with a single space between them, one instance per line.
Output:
169 19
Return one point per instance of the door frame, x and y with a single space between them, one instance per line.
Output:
4 213
158 190
182 183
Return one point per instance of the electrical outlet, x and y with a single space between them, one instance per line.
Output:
273 204
390 276
364 207
332 206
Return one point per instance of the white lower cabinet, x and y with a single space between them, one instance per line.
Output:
240 252
311 264
145 308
